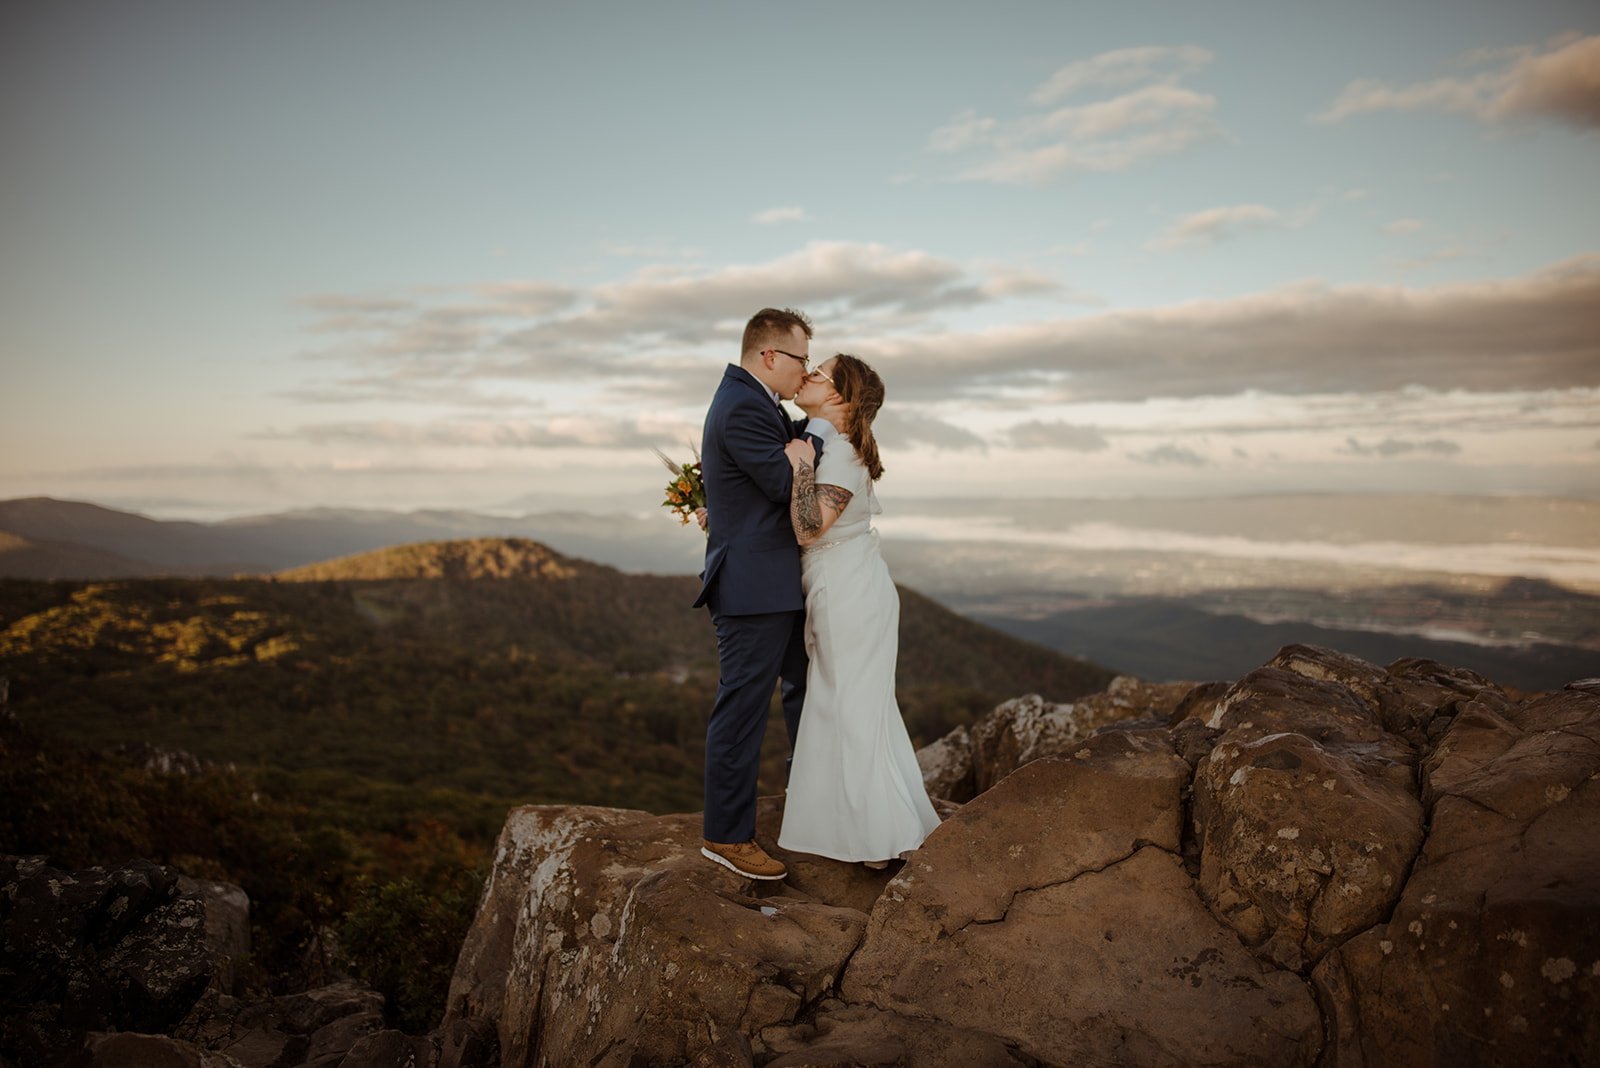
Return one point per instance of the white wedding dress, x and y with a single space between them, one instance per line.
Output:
855 789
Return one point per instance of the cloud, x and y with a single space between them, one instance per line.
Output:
648 325
1539 331
339 303
1057 435
1216 224
1156 118
967 129
362 388
523 298
569 431
1169 454
1560 81
1123 66
897 428
1420 413
1396 447
655 334
1402 226
1444 254
654 252
780 215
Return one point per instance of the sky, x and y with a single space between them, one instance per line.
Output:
276 256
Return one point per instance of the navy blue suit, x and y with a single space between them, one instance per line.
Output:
751 584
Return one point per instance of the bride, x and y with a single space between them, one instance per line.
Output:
855 789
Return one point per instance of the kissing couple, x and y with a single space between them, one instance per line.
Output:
799 592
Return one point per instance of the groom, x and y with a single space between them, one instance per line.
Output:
752 578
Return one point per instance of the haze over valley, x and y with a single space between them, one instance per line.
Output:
1164 589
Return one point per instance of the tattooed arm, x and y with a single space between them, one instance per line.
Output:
813 507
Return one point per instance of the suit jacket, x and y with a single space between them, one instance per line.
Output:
752 558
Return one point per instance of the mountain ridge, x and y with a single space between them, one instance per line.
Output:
495 666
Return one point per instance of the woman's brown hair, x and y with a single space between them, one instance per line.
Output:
861 389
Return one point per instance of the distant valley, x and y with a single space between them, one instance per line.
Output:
1162 639
1507 583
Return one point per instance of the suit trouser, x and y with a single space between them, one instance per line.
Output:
753 652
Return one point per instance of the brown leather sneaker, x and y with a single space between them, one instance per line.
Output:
746 858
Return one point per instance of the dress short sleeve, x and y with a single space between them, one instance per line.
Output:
840 466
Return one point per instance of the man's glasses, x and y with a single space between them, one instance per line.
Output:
804 360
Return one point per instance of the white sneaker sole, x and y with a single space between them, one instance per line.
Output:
726 863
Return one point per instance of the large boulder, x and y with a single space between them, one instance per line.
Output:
530 857
1054 913
316 1027
1030 727
227 927
1434 692
1492 955
946 766
96 949
1305 809
1302 845
627 946
130 1049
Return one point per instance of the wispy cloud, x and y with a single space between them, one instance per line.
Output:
1443 254
1124 66
1559 81
644 326
654 333
567 431
1036 434
793 213
1396 447
1169 454
1540 331
1400 227
1216 224
899 428
1156 117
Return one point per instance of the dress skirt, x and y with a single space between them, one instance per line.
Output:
855 788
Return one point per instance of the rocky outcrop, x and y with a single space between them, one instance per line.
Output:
967 762
321 1027
133 965
313 1027
1068 872
1492 954
118 948
227 927
603 935
1325 862
1305 809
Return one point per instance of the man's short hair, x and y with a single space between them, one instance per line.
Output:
771 325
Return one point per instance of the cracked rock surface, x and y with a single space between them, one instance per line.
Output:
1492 955
1067 872
1306 810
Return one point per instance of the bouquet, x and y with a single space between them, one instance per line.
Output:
687 490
